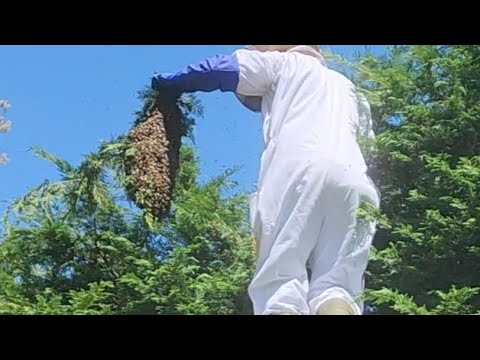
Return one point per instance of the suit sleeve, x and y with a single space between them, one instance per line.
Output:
258 71
248 73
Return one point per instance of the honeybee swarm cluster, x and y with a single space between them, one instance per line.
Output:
152 165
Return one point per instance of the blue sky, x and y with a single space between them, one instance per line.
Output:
66 99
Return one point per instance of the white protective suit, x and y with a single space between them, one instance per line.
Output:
311 183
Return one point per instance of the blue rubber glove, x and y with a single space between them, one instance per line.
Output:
217 73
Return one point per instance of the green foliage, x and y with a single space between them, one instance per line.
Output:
425 103
76 246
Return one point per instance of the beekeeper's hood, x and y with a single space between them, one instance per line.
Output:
304 49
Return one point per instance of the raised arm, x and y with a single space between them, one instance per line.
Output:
249 73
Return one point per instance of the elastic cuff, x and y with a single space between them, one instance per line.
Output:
282 312
285 308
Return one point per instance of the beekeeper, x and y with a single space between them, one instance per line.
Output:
313 176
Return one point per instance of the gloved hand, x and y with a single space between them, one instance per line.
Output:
166 84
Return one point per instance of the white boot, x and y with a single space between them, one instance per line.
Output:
335 307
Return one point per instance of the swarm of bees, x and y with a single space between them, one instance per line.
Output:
154 150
